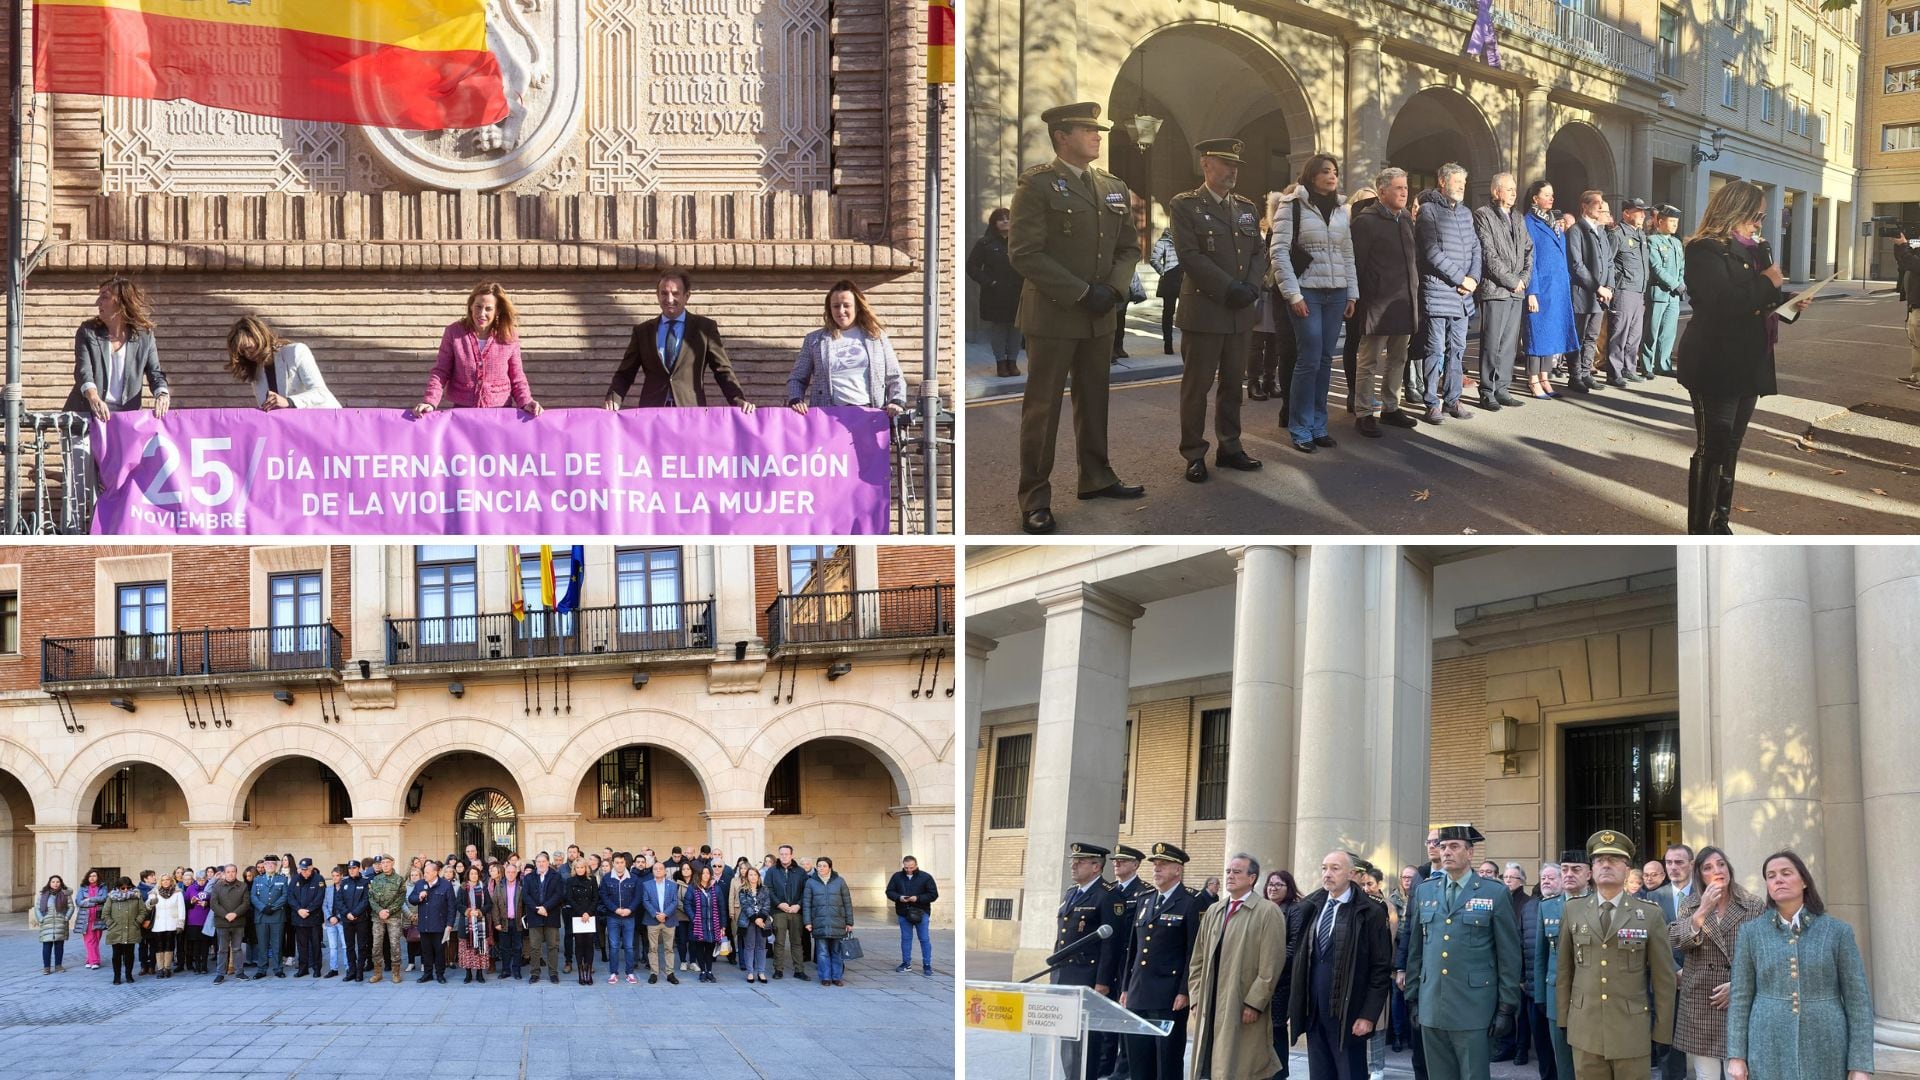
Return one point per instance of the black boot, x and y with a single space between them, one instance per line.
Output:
1702 486
480 977
1721 523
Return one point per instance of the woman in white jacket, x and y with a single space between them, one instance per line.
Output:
168 903
282 372
1312 256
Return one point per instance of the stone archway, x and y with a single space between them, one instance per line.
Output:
80 782
915 763
260 751
1579 159
704 755
1208 82
1438 125
487 738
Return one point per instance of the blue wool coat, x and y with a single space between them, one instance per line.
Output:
1549 331
1830 1031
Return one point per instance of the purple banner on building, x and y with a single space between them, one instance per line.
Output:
568 472
1483 43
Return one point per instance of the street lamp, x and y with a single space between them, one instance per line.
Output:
1719 140
1142 129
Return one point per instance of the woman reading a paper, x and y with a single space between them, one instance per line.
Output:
1726 354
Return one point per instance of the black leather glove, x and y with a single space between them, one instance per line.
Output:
1240 294
1100 298
1502 1022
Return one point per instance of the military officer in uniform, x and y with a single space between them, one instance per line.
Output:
1463 961
1166 924
1613 955
1073 240
1575 874
1217 236
1089 904
1127 885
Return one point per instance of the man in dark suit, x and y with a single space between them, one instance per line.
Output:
1089 904
1341 973
1127 886
672 351
1590 272
544 896
1165 927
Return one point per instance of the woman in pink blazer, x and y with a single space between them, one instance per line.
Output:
479 362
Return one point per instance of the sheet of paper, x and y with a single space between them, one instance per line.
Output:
1788 312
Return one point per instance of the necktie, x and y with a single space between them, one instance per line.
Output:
671 353
1093 191
1453 893
1323 934
1232 910
1606 919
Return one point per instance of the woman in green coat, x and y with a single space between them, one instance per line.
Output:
124 912
1800 1008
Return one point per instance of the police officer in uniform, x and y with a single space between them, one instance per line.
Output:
1217 235
1128 886
1463 961
1090 903
1575 875
1613 955
1165 926
1073 242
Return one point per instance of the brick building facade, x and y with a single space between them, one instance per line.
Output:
205 704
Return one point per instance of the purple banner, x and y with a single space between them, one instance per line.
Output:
568 472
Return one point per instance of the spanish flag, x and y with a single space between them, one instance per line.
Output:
415 64
546 577
940 42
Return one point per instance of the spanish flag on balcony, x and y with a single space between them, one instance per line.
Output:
940 42
416 64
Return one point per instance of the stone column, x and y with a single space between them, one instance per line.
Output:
1534 137
545 832
62 849
1771 230
381 836
1836 677
1770 781
1333 807
1049 73
217 843
367 565
1802 235
1699 706
739 832
1398 707
1079 747
734 614
978 646
1260 726
1887 599
1366 125
926 833
1640 158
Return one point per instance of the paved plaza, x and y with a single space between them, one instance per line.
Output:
78 1024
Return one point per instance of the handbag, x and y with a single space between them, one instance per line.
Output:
1138 293
1301 257
850 948
916 914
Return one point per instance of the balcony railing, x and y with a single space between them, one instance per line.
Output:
256 650
595 631
1551 22
916 611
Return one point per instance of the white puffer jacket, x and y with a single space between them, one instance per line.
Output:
1329 242
169 912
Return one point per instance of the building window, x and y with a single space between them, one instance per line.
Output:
1669 41
9 622
1850 80
999 908
626 786
1210 802
339 803
447 594
1729 76
1900 137
1826 66
1766 103
141 622
824 567
1772 29
110 807
293 613
783 787
541 623
1826 127
1846 137
1727 11
1902 80
646 585
1126 765
1012 758
1903 21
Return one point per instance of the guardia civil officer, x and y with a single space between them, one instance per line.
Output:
1575 874
1217 235
1463 961
1165 926
1073 243
1614 954
1128 886
1089 904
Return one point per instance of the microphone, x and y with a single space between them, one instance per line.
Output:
1098 935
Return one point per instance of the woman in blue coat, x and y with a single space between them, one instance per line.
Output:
1799 1005
1549 324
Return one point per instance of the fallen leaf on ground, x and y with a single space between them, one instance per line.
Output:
1745 509
1836 472
1878 491
1421 495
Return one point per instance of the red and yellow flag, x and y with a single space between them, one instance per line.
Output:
415 64
940 42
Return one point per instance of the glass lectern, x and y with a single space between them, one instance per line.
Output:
1053 1018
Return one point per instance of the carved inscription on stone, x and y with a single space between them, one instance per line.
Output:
181 147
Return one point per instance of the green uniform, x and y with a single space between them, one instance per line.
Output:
1667 276
1069 233
1218 242
1546 976
1463 964
1611 963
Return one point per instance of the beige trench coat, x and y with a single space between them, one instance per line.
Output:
1250 963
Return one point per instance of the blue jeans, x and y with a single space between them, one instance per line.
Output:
620 945
1318 335
53 953
907 931
830 965
334 954
1446 351
752 950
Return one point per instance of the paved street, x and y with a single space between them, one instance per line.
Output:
1834 452
78 1024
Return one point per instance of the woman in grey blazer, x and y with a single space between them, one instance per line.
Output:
848 361
114 355
282 372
